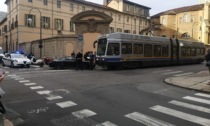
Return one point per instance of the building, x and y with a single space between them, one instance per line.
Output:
34 21
190 22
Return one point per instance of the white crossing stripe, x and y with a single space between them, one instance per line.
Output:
197 99
190 106
36 87
19 78
14 77
203 95
24 81
184 74
182 115
54 97
11 75
161 71
107 123
29 84
43 92
66 104
6 72
83 113
173 72
147 120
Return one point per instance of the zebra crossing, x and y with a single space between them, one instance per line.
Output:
176 73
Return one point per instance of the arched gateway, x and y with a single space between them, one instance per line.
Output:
88 26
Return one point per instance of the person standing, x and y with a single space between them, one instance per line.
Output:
208 60
79 60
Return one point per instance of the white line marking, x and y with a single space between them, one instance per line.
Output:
83 113
161 71
36 87
19 78
14 77
107 123
182 115
173 72
66 104
197 99
147 120
43 92
29 84
184 74
11 75
24 81
6 72
203 95
190 106
54 97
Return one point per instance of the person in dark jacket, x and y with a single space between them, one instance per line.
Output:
208 59
79 60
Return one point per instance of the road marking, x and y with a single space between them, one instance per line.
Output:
14 77
66 104
24 81
147 120
161 71
11 75
19 78
36 87
182 115
107 123
197 99
6 72
203 95
190 106
29 84
83 113
173 72
43 92
184 74
54 97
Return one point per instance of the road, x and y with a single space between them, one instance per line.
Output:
46 97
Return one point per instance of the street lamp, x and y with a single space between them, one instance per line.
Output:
30 21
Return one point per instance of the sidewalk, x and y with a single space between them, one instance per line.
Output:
196 81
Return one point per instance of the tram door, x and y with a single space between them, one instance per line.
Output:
174 51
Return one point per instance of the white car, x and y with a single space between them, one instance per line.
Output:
16 60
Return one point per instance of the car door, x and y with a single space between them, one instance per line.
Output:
6 59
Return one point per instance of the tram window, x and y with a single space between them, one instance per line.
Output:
113 49
157 50
148 50
126 48
183 51
101 46
198 51
165 50
188 51
174 51
193 52
138 49
202 51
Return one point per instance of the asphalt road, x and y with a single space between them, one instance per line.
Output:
46 97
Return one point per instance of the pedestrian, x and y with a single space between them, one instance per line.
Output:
2 109
73 54
208 59
91 67
79 61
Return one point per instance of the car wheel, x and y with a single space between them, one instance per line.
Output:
3 63
59 66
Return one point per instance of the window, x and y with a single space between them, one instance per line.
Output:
147 50
113 49
127 31
165 50
71 7
188 51
30 20
193 51
83 8
157 50
126 48
111 29
30 1
45 2
59 24
127 18
127 7
71 26
138 49
163 21
183 51
58 4
119 17
45 22
186 18
119 29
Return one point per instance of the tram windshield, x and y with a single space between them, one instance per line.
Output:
101 47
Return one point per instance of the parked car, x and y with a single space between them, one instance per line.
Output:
15 60
1 54
66 62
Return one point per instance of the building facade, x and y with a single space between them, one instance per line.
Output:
32 20
191 22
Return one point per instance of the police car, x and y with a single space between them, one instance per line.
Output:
16 60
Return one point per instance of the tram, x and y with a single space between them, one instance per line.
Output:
122 50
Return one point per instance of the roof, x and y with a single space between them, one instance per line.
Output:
136 4
180 10
2 15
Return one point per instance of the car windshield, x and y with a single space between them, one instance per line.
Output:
101 46
17 56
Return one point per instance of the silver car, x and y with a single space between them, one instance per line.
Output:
16 60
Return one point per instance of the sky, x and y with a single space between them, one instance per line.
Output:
156 6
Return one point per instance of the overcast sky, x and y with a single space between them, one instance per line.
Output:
155 5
